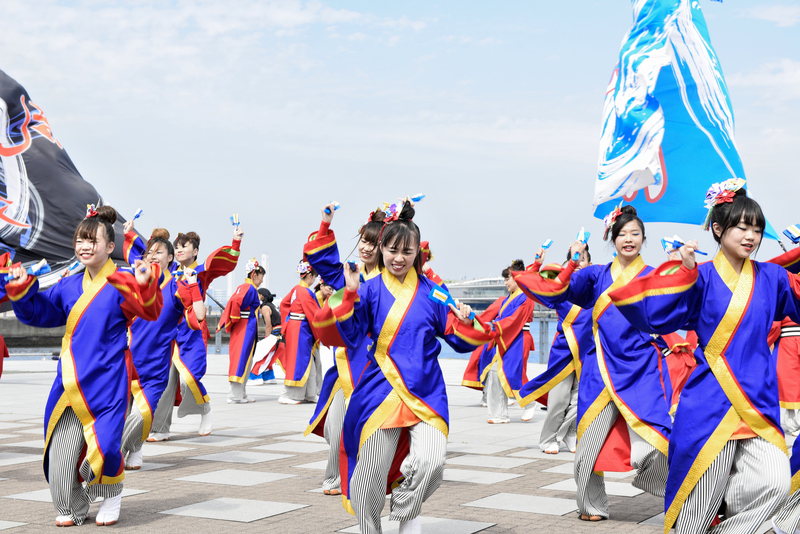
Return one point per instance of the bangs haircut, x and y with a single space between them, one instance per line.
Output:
87 228
729 214
192 237
155 241
401 234
371 231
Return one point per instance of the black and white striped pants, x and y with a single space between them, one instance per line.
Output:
752 475
334 421
423 469
562 412
133 429
788 517
650 464
70 497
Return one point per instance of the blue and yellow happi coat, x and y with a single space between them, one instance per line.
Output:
404 384
732 393
322 254
622 365
93 372
190 352
152 344
572 342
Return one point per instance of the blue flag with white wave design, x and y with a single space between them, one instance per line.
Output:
668 128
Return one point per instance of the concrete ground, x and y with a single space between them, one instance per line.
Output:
496 479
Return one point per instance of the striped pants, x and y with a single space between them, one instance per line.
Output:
751 475
788 517
562 412
650 464
132 431
70 497
495 395
334 421
423 470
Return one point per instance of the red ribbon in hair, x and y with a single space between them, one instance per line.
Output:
90 211
724 197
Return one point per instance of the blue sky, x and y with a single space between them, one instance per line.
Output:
196 110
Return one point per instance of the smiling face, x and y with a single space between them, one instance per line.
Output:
94 252
158 254
185 253
367 251
739 241
398 257
629 241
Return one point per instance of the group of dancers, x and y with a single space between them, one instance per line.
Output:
669 371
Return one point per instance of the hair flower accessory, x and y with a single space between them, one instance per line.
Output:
610 219
721 193
250 265
91 211
303 268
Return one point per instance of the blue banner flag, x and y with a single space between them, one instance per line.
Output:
668 128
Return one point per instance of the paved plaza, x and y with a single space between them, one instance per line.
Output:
257 473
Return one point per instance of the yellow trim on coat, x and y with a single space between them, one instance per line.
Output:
188 377
594 410
708 453
144 407
69 375
553 382
313 424
572 339
404 295
621 278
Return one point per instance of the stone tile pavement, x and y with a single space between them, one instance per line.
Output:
256 472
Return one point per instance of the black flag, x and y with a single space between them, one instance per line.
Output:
43 197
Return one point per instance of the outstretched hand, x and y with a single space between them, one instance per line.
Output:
687 254
128 226
19 275
142 272
326 216
352 278
237 233
577 248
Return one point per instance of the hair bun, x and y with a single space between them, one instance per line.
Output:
517 265
407 213
160 233
107 213
628 209
378 216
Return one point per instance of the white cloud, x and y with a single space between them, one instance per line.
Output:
782 15
393 40
489 41
777 80
356 37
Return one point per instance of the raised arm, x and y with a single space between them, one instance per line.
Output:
323 255
191 300
662 302
141 294
552 285
134 247
221 262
